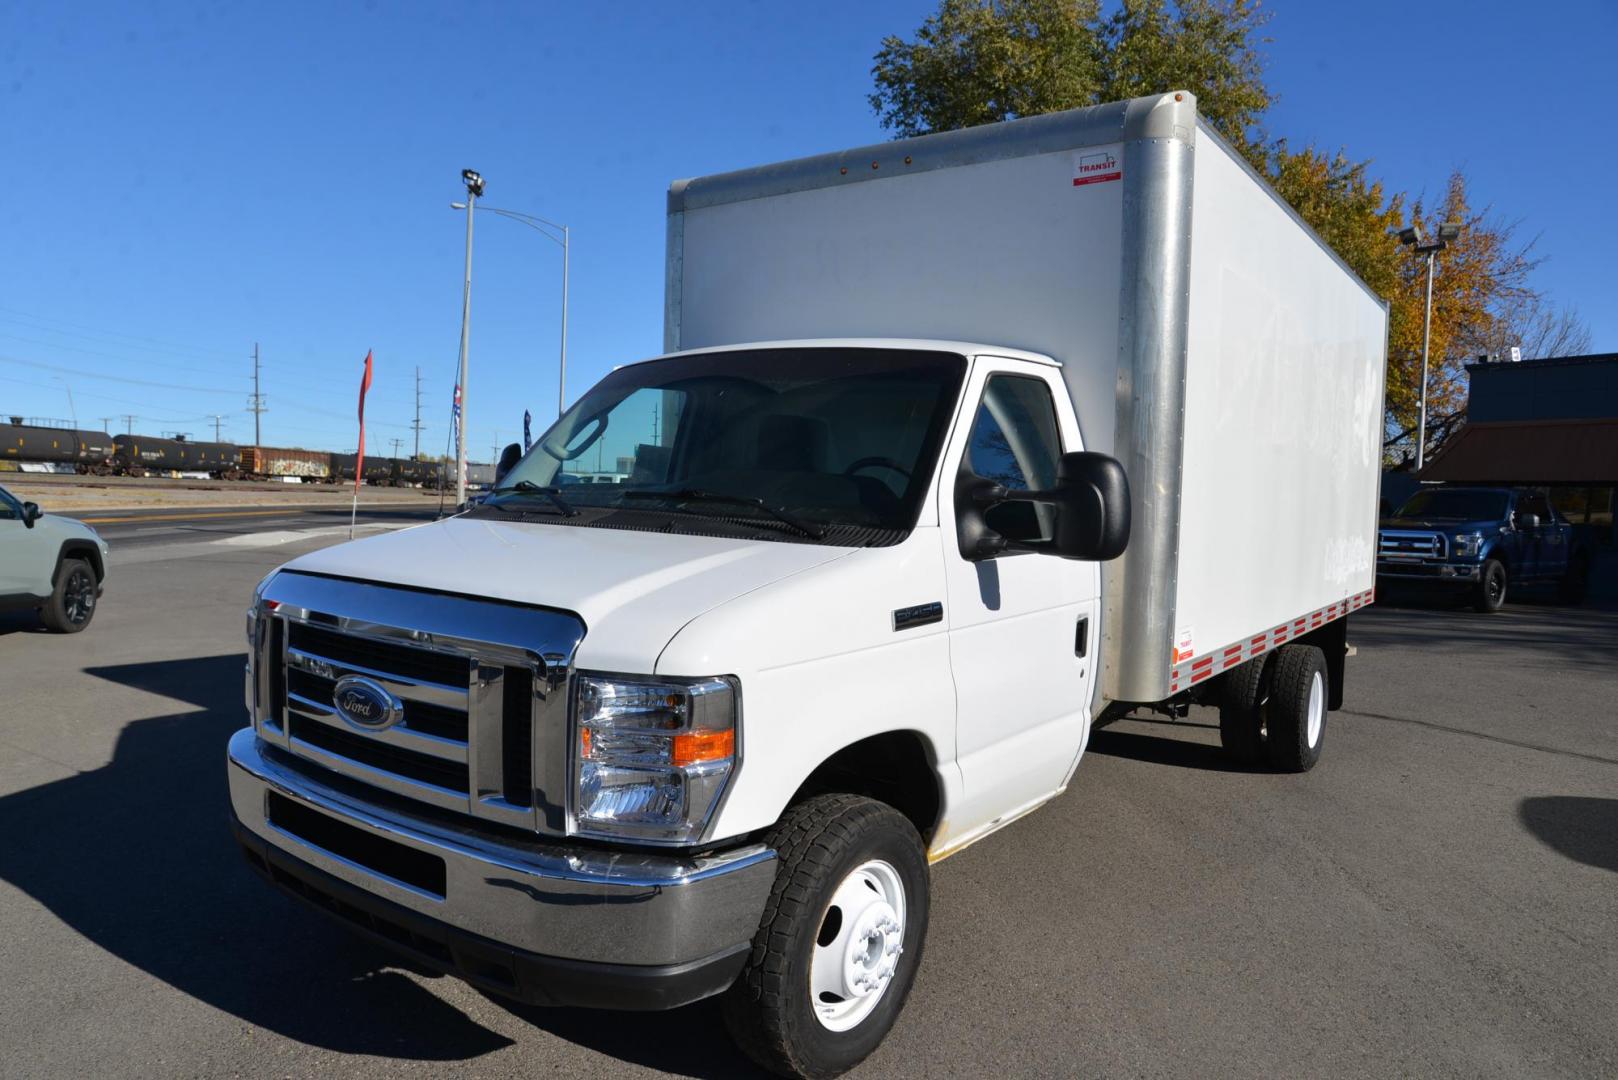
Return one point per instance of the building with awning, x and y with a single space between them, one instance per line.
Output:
1542 423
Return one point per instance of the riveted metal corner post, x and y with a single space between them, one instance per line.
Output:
674 267
1140 589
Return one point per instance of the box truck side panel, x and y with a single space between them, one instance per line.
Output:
1010 252
1283 416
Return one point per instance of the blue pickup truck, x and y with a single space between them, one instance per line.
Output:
1477 541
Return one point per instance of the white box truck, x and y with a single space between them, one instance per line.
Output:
960 446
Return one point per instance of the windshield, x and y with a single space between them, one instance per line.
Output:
796 442
1455 504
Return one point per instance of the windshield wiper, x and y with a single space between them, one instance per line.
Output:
698 495
528 487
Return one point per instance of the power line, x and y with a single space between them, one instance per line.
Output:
57 369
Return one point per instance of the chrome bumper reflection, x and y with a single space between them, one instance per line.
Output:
547 898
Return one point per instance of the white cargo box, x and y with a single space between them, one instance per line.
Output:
1209 339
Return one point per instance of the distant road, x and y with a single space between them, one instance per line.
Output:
136 528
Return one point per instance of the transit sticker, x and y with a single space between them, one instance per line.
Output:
1098 164
1182 645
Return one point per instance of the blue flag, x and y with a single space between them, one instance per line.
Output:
527 441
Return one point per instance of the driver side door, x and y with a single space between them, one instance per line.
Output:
1023 625
17 577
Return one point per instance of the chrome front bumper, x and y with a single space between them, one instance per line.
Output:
580 906
1429 571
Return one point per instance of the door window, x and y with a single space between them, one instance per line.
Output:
1533 502
1015 442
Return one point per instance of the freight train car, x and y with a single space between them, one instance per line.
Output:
28 444
413 473
378 470
139 455
275 463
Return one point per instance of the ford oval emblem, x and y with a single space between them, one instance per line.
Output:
366 703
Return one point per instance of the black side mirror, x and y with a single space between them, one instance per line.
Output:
508 461
1527 521
31 513
1091 499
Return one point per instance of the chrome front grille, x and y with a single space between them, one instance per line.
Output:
482 685
1394 545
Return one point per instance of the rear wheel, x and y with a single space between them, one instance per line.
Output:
1491 593
1241 712
1295 715
72 602
840 940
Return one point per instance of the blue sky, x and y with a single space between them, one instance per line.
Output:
178 181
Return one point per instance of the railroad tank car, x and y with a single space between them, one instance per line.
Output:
86 451
137 455
415 472
378 470
271 462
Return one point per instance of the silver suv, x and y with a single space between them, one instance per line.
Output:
54 565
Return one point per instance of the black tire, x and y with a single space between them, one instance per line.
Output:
769 1010
1291 741
1241 718
1490 596
1576 582
72 602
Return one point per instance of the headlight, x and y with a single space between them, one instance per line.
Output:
1468 545
651 755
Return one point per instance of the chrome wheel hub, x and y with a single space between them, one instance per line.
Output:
857 949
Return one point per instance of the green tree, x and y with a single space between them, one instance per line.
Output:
980 61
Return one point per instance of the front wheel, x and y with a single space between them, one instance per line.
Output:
840 940
1491 594
72 603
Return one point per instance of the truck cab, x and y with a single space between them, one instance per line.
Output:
1479 542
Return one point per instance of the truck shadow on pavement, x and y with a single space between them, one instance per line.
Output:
137 857
1583 829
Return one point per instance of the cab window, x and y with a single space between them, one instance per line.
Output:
1016 443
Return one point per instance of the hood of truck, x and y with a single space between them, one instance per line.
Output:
1441 525
634 590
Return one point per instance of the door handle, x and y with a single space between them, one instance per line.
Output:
1081 637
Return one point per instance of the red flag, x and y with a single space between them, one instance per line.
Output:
359 460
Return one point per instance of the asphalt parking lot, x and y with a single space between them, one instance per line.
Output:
1438 898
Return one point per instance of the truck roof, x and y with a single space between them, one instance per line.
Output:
965 348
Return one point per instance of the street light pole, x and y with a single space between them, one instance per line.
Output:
1411 238
1426 341
541 225
474 188
561 378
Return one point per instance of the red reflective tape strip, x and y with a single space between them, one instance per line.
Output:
1204 662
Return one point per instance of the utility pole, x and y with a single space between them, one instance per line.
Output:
416 427
217 418
397 442
106 422
129 424
256 403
